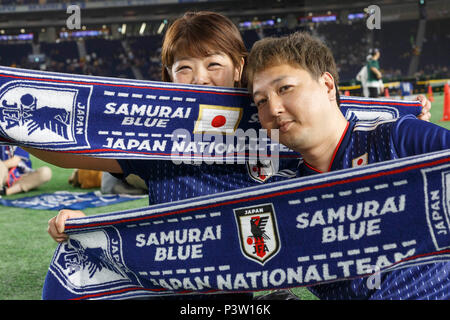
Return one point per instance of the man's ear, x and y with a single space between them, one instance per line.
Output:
330 84
238 71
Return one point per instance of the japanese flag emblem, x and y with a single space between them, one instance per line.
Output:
360 161
217 119
258 232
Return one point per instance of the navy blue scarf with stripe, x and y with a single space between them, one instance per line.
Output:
339 225
118 118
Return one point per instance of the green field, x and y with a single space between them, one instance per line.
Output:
26 249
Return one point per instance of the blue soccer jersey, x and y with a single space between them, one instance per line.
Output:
370 142
170 182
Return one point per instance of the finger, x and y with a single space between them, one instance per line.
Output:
52 231
61 239
422 99
65 214
426 116
60 220
427 106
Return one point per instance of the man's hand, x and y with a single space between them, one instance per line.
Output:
426 108
56 224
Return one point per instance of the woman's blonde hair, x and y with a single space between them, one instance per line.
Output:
198 34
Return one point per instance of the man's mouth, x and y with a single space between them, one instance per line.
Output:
284 125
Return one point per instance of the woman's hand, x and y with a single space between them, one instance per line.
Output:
57 224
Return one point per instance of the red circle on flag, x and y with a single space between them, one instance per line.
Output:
218 121
249 240
360 162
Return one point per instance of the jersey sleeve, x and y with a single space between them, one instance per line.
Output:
141 168
411 136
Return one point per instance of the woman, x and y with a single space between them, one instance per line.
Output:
189 55
192 56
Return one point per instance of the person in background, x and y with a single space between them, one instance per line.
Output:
16 172
362 77
374 76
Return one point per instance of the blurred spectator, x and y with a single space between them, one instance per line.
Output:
373 73
16 172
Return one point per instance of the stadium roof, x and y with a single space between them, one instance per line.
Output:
119 11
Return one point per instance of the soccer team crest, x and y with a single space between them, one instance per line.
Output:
258 232
29 111
260 171
86 266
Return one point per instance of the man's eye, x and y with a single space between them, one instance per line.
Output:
213 65
284 88
260 103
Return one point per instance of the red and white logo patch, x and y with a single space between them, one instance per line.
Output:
217 119
360 161
260 172
258 232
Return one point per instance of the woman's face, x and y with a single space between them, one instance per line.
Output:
216 69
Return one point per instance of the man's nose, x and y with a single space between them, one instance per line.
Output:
275 105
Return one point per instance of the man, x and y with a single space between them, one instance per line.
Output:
374 77
294 85
362 77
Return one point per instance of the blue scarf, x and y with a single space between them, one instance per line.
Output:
68 200
344 224
122 118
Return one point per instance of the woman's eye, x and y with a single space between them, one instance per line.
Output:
214 64
183 68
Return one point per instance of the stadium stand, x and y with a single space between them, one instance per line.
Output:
14 54
146 55
108 58
137 56
435 59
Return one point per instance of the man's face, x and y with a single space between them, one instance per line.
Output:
290 100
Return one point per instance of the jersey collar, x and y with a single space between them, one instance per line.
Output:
307 169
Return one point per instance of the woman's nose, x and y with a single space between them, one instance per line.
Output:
201 77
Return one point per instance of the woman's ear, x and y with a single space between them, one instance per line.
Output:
169 73
238 71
